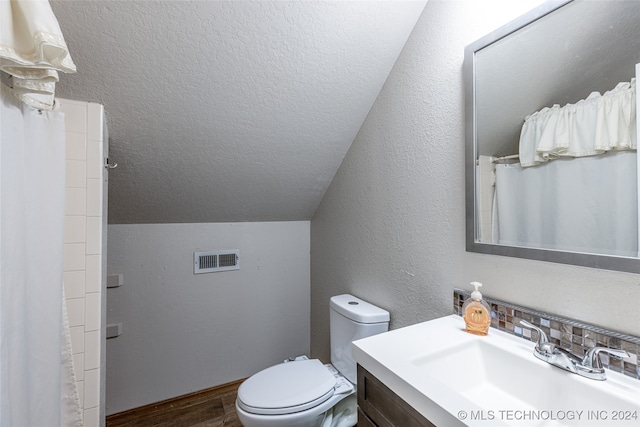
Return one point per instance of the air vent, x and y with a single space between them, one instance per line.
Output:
213 261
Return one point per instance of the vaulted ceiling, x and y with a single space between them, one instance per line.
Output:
229 110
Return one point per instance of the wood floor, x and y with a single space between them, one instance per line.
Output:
214 407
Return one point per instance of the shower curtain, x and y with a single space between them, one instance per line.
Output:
586 204
37 386
576 187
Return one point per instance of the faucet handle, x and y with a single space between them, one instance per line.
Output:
542 337
544 348
592 358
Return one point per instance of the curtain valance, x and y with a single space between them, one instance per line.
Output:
591 126
32 50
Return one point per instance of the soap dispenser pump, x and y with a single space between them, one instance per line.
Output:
476 312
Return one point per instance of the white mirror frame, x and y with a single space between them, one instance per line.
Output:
627 264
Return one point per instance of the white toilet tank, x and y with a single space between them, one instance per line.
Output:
350 319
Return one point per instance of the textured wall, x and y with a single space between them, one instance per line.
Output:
390 229
184 332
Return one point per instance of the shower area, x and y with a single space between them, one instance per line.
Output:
53 247
53 187
573 186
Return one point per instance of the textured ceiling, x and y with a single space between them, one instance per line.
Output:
229 110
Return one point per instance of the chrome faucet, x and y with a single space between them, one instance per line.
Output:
588 366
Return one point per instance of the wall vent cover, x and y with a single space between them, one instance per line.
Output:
213 261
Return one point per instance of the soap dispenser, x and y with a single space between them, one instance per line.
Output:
476 312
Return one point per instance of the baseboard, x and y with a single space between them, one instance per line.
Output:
169 405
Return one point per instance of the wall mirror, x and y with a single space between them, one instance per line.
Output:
555 78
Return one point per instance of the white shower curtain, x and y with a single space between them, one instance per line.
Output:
586 204
37 387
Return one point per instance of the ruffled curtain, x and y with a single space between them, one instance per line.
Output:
32 50
589 127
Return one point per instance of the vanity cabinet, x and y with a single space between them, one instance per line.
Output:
378 406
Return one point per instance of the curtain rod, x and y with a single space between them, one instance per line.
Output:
500 159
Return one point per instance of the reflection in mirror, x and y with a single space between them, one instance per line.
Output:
552 135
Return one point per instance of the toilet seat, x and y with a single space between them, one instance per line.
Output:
287 388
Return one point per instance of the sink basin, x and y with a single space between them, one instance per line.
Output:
455 378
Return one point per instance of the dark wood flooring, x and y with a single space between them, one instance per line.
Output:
214 407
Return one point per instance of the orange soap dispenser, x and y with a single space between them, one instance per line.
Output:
476 312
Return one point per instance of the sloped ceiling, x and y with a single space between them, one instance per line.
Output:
223 111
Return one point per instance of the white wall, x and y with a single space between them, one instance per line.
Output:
390 229
184 332
83 250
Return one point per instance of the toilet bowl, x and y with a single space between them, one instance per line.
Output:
307 393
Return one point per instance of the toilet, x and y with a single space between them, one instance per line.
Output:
306 393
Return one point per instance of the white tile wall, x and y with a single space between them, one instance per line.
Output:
76 201
75 227
92 388
83 249
485 176
74 284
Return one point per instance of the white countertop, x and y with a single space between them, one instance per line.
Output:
454 378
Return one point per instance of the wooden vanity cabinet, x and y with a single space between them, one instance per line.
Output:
378 406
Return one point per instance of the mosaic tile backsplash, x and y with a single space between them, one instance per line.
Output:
569 334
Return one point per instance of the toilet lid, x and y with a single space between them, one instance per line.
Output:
287 388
